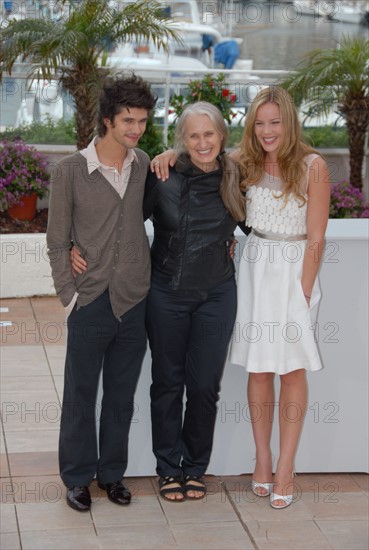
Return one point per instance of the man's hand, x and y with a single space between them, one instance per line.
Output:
232 248
78 264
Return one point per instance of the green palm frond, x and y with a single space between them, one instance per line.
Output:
91 29
337 78
345 70
18 38
144 19
72 48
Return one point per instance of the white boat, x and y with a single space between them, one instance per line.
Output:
346 11
153 64
188 53
306 7
156 66
351 11
316 8
193 20
185 17
145 58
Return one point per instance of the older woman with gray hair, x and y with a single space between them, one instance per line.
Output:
192 302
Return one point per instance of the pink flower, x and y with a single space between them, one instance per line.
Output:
347 201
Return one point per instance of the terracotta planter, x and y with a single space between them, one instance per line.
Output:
26 210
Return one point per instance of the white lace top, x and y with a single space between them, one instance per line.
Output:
267 212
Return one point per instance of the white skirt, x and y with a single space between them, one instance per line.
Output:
275 328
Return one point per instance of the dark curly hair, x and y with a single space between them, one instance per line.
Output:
123 91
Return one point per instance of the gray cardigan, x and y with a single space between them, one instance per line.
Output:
109 232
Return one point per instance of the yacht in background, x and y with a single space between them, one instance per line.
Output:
346 11
317 8
351 11
306 7
200 36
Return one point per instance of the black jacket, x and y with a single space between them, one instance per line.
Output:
192 228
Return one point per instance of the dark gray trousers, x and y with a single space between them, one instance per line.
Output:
97 340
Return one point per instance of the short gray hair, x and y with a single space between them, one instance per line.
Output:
200 108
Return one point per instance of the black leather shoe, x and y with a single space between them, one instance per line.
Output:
116 492
79 498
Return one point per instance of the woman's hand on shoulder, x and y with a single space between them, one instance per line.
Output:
160 164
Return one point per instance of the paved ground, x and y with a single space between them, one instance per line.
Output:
330 512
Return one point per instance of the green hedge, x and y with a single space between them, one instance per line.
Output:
324 137
63 132
56 133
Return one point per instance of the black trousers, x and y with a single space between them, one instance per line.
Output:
96 340
188 334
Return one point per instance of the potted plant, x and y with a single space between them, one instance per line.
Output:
211 89
23 179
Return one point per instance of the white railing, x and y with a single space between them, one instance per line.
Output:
245 83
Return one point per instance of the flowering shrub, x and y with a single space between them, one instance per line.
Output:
22 172
347 201
211 89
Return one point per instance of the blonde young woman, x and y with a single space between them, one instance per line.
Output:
288 191
287 205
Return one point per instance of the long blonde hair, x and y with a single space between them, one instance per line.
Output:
230 189
290 156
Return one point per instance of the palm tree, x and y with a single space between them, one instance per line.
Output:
71 49
338 77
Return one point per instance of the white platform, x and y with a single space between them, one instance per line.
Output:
335 436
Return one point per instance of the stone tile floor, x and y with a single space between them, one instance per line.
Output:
331 510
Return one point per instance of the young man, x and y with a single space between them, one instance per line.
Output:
96 202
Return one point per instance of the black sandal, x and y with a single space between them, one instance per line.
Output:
164 490
189 486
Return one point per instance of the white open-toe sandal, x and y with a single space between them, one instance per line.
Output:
255 485
287 499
